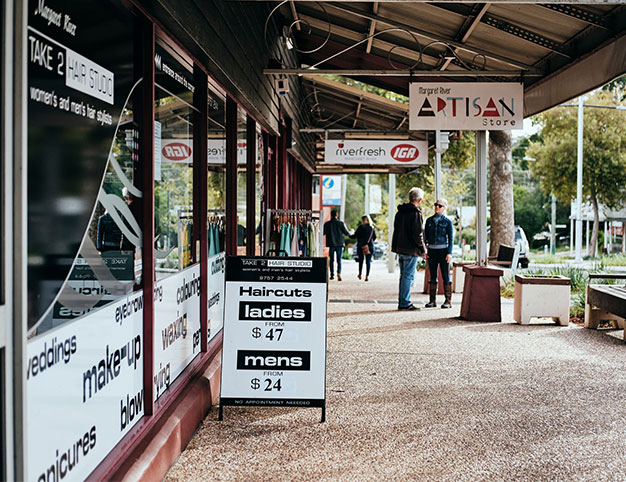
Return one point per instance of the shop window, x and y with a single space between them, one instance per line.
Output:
177 268
259 189
242 150
216 228
84 378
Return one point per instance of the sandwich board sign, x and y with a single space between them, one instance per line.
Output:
274 346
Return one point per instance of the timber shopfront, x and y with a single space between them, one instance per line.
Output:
133 174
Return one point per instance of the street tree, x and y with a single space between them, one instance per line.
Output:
502 223
604 154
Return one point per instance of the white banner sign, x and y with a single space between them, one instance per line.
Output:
376 152
84 385
274 350
176 326
466 106
181 150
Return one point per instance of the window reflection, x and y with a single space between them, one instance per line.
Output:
173 187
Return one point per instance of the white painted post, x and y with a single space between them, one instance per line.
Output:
367 194
437 165
342 208
579 185
481 198
391 261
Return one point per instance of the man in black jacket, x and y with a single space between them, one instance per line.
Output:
408 243
335 232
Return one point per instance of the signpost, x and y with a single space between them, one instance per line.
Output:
274 347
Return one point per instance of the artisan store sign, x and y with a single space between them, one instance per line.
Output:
376 152
466 106
274 350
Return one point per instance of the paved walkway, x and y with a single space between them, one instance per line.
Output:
427 396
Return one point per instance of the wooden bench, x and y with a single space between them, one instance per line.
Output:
605 302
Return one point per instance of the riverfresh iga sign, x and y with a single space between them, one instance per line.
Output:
466 106
376 152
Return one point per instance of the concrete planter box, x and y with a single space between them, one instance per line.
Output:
541 296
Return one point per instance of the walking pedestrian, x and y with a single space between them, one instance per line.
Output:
408 243
335 232
439 237
365 236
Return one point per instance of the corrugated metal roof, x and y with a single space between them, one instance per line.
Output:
536 44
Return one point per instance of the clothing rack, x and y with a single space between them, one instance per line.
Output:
312 215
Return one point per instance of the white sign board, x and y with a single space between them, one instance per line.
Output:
217 270
84 385
376 152
274 348
466 106
331 191
176 326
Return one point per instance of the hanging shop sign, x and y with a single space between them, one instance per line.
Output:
181 150
466 106
376 152
331 191
274 348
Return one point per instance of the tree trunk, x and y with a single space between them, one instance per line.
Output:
502 227
593 244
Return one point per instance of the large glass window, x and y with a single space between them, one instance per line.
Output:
216 228
84 361
242 150
177 268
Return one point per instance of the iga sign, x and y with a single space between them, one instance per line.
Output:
376 152
466 106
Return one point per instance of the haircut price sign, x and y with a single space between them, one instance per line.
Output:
274 348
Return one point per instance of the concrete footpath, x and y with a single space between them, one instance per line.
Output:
426 396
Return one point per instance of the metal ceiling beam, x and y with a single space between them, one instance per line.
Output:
433 36
368 48
403 73
578 13
468 27
465 32
523 33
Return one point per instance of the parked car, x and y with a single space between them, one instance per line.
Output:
380 247
522 241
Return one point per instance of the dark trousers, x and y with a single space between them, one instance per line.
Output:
436 258
368 261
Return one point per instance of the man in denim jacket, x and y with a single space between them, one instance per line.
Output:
439 237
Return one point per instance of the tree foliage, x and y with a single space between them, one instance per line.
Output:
604 153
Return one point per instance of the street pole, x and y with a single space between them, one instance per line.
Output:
481 198
366 211
437 165
579 185
391 262
342 208
553 227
